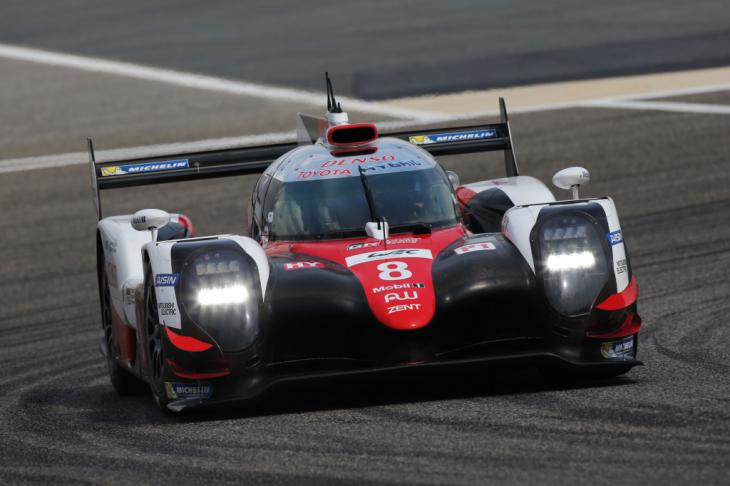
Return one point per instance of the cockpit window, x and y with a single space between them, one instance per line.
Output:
338 208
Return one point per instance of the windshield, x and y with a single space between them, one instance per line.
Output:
338 208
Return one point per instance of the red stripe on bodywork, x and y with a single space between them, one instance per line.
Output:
187 343
409 301
623 299
124 336
181 373
464 194
188 224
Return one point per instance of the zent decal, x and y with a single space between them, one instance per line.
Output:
403 307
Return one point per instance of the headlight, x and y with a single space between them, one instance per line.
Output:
236 294
574 263
220 293
559 262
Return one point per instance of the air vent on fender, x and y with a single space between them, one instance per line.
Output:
349 135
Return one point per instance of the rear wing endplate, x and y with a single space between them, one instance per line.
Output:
255 159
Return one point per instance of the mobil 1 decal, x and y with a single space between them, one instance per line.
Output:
398 285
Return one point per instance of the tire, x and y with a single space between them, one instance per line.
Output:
123 382
153 344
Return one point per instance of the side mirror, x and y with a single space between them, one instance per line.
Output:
150 220
453 178
572 178
377 229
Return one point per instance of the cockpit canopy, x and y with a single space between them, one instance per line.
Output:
315 197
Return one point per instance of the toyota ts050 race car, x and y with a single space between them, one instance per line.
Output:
363 255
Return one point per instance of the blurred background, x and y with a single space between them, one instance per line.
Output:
638 92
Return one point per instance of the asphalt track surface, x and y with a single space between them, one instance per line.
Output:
380 48
665 423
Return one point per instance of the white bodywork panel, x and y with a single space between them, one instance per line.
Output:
519 221
521 190
160 260
123 247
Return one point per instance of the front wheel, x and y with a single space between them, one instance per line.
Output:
123 381
153 344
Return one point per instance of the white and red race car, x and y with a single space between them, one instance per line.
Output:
363 256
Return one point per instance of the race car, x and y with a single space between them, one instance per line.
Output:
363 256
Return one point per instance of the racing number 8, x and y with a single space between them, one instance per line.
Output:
394 271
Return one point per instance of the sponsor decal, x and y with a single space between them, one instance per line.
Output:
403 307
387 288
130 169
110 246
111 271
129 296
386 254
357 246
401 296
307 174
188 390
167 309
395 241
615 237
475 247
301 265
621 349
402 241
166 279
453 137
621 266
357 160
393 165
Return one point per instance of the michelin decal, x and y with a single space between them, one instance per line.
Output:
453 137
131 169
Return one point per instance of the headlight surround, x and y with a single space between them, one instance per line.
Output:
220 293
574 264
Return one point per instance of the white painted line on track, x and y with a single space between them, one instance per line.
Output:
77 158
202 82
409 117
660 106
712 88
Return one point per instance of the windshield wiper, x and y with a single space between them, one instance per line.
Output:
368 193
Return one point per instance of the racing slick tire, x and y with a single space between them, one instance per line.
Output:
124 382
152 333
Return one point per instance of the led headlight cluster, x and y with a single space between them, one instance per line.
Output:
232 294
574 263
221 294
